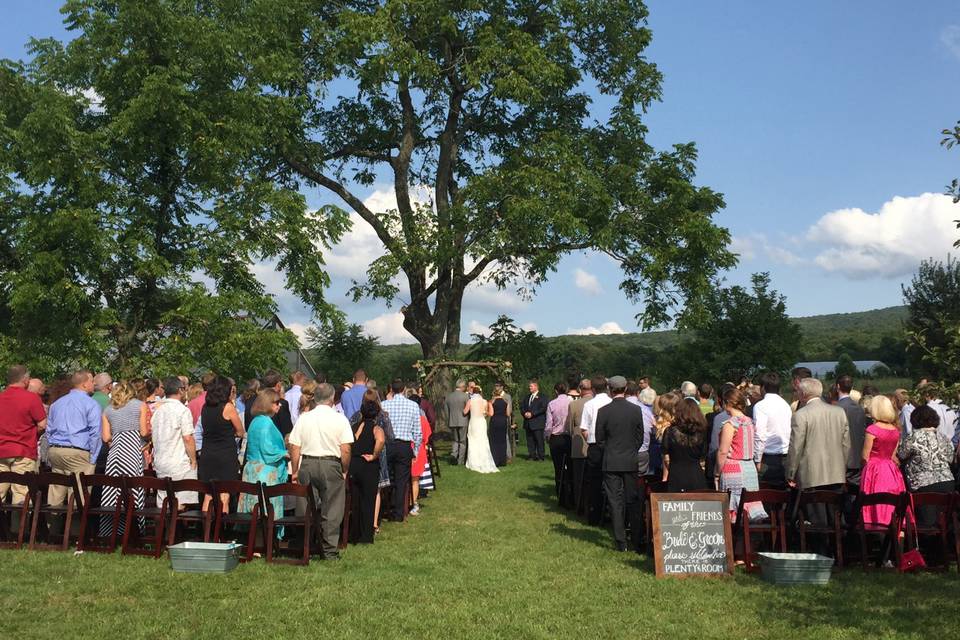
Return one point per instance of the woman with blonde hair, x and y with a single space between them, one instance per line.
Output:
881 469
124 425
663 410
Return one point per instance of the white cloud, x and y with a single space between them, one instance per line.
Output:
478 328
529 326
388 328
587 282
607 328
889 243
300 330
950 38
753 245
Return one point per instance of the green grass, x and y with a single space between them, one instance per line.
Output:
490 557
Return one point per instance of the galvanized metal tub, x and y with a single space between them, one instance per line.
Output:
204 557
795 568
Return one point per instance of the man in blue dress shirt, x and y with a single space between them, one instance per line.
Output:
73 432
352 398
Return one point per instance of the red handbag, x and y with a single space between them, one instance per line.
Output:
912 559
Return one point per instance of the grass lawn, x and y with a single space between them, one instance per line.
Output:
490 557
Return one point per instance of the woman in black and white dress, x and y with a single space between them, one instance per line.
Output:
123 428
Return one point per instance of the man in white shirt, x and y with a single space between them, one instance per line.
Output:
588 428
772 416
320 457
172 431
948 417
292 396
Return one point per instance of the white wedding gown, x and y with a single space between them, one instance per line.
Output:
479 457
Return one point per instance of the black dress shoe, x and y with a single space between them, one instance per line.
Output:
621 546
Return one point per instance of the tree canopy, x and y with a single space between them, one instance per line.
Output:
744 331
340 349
134 203
487 106
933 323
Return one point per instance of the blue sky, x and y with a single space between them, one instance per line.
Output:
819 122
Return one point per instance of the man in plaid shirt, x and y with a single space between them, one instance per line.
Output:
408 436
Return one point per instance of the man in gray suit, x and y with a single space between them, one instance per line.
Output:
455 402
819 447
857 419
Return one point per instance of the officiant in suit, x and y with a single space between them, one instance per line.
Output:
534 411
620 433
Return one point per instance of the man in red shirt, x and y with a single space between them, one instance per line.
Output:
22 418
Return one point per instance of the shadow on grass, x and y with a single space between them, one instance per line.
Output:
543 495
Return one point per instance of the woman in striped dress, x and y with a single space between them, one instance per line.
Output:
124 425
736 469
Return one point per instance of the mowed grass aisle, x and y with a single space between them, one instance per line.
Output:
490 557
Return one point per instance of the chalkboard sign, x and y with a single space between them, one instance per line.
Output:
691 534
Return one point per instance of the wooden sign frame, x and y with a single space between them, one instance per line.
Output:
721 497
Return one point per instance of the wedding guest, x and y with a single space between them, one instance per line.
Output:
619 432
796 375
73 432
819 447
684 444
320 457
22 419
881 472
174 448
102 387
714 420
705 398
649 458
221 427
554 433
857 421
369 441
266 454
689 392
420 462
124 426
427 407
408 436
248 397
771 417
578 442
735 468
457 421
297 378
352 398
904 410
927 455
594 469
197 396
282 418
948 417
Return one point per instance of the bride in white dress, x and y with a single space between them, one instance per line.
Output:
479 457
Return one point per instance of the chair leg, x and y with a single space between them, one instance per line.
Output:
863 549
84 516
747 549
127 526
306 540
268 538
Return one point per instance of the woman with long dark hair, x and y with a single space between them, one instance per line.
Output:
684 445
369 440
221 427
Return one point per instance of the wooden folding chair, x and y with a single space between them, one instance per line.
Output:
943 503
186 515
288 522
235 520
88 485
433 459
775 503
833 504
889 532
43 512
8 510
156 497
651 484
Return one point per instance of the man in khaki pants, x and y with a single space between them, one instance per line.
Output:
73 431
21 419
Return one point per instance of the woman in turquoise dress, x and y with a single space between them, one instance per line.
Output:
266 454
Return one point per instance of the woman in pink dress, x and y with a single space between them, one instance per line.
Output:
881 470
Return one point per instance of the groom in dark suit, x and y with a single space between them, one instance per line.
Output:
619 434
534 410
